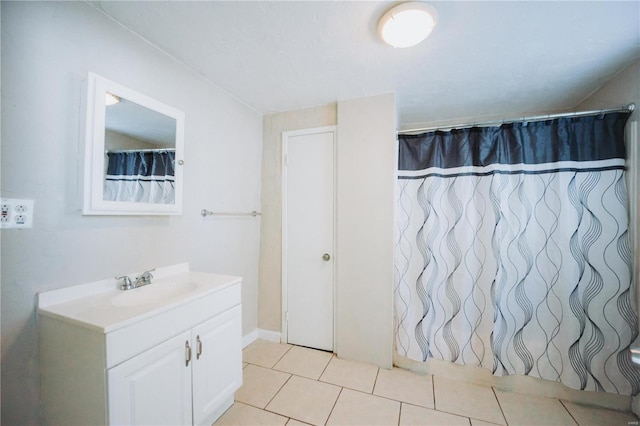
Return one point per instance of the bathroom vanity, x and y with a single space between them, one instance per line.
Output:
166 353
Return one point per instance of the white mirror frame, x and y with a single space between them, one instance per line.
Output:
94 203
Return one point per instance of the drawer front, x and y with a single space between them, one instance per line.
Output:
129 341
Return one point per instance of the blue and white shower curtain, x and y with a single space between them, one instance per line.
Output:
140 176
513 251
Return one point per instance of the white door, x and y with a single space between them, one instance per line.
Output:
153 388
217 363
308 237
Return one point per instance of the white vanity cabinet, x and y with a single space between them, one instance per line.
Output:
200 365
123 358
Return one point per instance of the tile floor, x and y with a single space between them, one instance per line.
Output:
292 385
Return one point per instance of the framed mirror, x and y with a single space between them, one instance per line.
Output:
133 152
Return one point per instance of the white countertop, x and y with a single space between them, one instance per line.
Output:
104 307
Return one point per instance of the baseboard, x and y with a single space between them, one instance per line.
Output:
268 335
258 333
249 338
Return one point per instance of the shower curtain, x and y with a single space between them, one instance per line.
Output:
140 176
513 251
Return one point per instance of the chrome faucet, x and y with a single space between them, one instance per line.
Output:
143 279
126 283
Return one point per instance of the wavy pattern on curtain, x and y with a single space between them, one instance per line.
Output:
140 176
513 251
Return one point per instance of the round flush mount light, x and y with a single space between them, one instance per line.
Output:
407 24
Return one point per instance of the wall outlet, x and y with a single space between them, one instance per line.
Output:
16 213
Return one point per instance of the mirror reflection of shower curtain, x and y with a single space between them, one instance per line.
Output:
513 251
140 176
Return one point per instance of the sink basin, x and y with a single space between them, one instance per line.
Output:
152 293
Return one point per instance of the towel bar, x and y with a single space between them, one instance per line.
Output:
206 213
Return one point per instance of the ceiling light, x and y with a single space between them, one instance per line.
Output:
110 99
407 24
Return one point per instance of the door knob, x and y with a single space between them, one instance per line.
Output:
326 257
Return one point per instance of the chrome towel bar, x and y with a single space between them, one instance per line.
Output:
206 213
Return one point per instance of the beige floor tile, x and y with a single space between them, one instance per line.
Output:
305 400
522 409
405 386
476 422
467 400
350 374
304 362
357 408
240 415
260 385
244 364
411 415
264 353
294 422
587 416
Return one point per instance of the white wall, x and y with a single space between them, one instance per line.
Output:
366 178
47 50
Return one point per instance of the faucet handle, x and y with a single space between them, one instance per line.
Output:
126 282
147 274
144 278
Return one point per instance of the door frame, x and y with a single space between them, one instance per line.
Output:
285 143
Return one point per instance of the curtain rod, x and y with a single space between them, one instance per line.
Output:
116 151
629 108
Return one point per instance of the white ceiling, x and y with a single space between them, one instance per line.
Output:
483 58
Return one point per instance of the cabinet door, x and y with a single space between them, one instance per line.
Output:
153 388
217 366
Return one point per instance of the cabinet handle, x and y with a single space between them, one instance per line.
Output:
188 352
199 347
